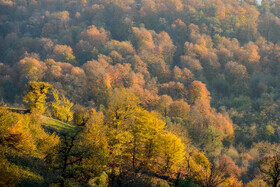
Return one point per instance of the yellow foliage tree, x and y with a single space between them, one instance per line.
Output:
198 166
172 151
61 109
36 97
94 145
14 132
138 138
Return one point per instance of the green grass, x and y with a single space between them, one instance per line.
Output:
27 170
58 126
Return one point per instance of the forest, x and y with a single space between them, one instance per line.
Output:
182 93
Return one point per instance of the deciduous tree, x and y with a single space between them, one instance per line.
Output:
36 96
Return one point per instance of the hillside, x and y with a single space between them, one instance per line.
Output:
59 127
139 93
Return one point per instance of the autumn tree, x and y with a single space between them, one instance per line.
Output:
6 177
14 132
96 36
227 169
36 96
32 69
80 114
85 152
138 139
172 152
22 137
61 107
269 166
198 166
198 91
237 75
98 80
174 89
64 53
179 109
121 106
162 104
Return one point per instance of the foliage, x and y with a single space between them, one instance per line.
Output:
124 59
36 96
14 132
269 166
211 142
61 108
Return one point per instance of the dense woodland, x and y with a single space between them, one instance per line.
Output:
140 93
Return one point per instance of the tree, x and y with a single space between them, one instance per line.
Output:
31 69
83 153
64 53
97 37
98 80
179 109
138 139
211 142
162 104
269 166
198 166
93 146
46 143
61 19
191 63
122 105
177 73
165 47
175 90
227 170
198 91
124 48
61 108
172 150
146 130
142 39
80 115
237 77
14 132
36 97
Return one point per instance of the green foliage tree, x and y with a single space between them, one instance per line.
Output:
211 142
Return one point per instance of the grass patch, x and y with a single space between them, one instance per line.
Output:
57 126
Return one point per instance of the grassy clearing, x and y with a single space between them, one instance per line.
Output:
57 126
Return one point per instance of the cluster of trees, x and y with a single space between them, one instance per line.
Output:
146 68
125 144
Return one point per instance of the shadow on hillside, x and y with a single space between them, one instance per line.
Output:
39 174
